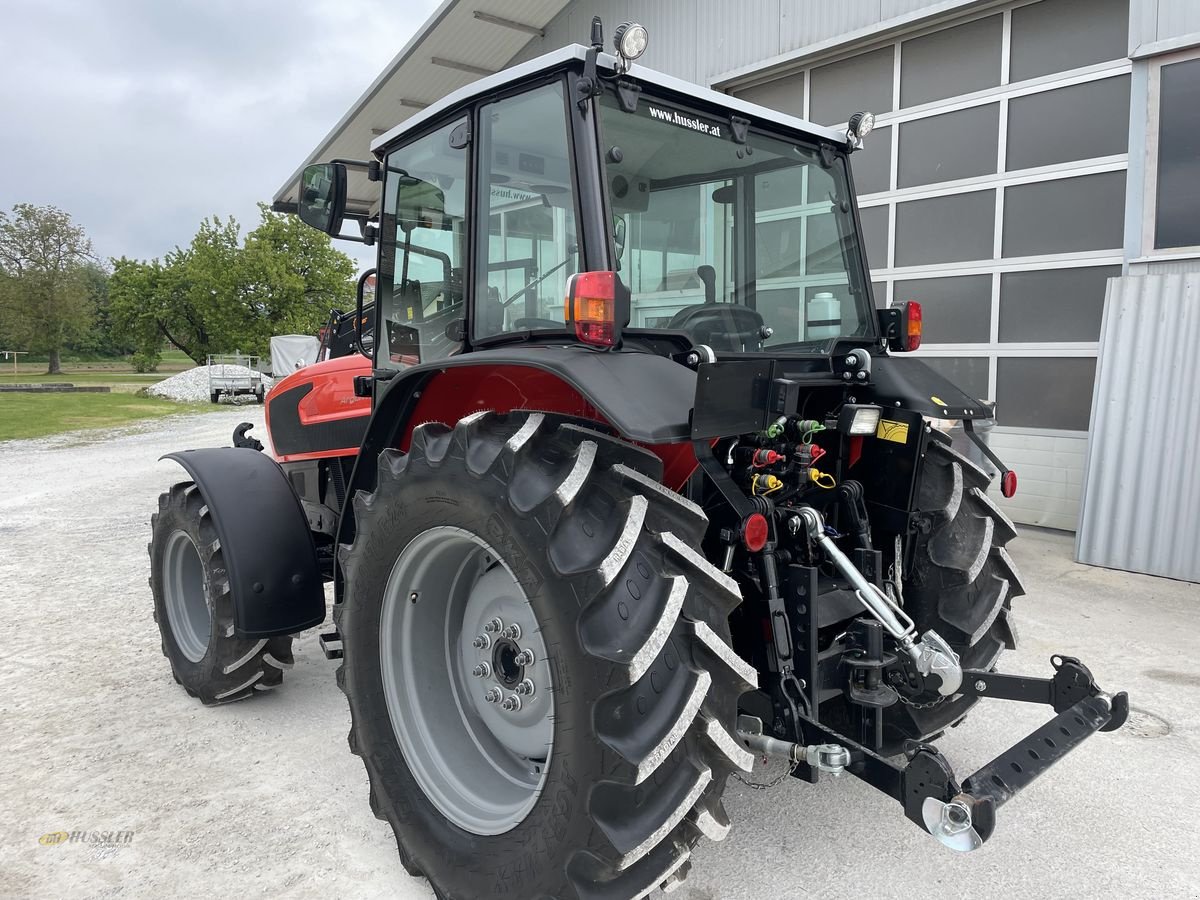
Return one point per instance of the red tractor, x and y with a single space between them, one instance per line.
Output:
626 481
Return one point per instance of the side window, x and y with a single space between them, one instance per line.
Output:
527 240
424 240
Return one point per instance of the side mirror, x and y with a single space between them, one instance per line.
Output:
323 197
619 235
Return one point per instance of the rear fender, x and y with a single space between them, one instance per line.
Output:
642 397
270 556
910 383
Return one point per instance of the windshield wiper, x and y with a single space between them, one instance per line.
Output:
533 284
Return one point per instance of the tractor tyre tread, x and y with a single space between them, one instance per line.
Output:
654 683
962 581
233 668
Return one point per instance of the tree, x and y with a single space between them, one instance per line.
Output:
45 291
100 339
133 305
293 274
220 295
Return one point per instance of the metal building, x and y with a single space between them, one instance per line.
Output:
1024 153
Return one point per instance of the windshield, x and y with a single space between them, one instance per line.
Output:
742 245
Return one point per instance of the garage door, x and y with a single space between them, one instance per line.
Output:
993 191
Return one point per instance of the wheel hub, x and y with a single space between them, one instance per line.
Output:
508 671
185 592
466 680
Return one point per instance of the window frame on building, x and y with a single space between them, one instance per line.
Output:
887 272
1149 252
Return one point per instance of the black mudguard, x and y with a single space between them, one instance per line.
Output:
269 552
911 384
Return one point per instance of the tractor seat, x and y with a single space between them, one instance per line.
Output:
723 326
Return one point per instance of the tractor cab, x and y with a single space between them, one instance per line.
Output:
579 199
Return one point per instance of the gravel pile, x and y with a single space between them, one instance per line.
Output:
192 386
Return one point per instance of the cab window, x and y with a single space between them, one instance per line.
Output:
424 240
526 236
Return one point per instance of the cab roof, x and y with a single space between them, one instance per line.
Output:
360 127
577 52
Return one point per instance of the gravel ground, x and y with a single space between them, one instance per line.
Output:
192 385
263 798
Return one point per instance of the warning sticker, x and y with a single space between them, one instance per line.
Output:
892 431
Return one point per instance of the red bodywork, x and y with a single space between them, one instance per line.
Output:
456 392
331 399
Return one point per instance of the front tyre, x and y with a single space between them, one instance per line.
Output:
193 606
537 663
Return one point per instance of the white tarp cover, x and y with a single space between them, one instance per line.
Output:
290 352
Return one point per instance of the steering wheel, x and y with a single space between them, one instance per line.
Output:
723 326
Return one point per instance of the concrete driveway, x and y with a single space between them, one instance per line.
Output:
264 799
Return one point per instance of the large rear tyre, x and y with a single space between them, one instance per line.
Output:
961 584
603 778
193 607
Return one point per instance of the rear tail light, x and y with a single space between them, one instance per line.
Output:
592 307
912 322
900 325
755 532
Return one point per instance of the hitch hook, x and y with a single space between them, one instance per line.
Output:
931 654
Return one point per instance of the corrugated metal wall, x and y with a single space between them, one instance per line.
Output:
1141 488
700 39
1162 20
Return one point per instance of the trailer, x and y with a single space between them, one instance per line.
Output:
235 375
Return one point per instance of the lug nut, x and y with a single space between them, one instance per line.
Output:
525 688
513 632
494 626
483 670
524 658
482 642
494 695
512 703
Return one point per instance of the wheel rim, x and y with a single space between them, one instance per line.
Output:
186 596
482 765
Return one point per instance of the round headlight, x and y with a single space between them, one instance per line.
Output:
631 40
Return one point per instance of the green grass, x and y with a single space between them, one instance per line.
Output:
37 415
116 373
120 382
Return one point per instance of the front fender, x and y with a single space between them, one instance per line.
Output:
270 556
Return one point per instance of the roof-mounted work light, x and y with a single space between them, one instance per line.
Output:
630 40
859 126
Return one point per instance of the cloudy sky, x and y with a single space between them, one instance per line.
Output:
141 117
